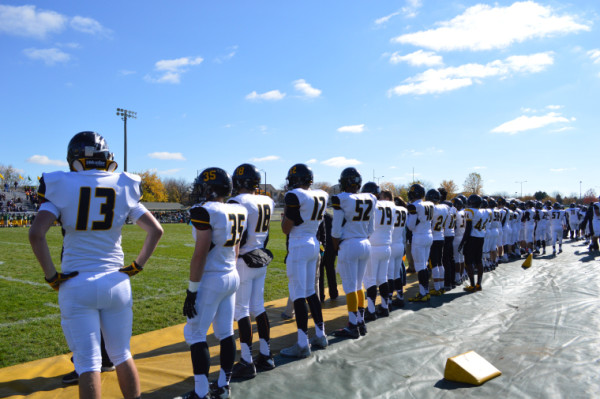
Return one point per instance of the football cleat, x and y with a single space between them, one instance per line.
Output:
296 351
398 302
470 288
420 298
362 329
350 331
319 342
243 370
383 312
264 363
217 392
435 292
192 395
370 316
477 287
71 378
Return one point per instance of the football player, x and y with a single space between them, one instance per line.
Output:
448 252
94 291
420 215
303 213
558 220
573 217
376 274
398 269
472 242
353 223
218 228
252 264
487 242
440 213
506 223
459 232
529 220
494 232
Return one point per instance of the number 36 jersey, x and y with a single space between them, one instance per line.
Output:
227 222
92 206
353 215
306 209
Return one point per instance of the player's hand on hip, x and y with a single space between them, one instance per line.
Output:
189 306
59 278
132 269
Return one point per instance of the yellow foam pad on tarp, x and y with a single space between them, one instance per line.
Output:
528 261
470 368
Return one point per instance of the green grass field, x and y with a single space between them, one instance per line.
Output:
29 314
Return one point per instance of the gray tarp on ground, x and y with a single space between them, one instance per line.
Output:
540 327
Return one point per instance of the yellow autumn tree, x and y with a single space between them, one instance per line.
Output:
152 187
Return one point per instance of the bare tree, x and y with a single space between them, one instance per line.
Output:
473 184
178 190
451 188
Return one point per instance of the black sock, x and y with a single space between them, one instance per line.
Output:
301 314
264 327
227 356
315 310
384 291
245 330
423 276
200 358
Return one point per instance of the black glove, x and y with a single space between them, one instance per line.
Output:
56 280
132 269
189 306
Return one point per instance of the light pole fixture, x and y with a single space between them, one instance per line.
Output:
521 182
125 114
379 178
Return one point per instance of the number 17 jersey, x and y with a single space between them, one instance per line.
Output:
353 215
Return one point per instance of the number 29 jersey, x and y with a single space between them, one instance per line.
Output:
92 206
305 208
353 215
260 209
228 223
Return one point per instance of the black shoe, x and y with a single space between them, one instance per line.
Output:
217 392
71 378
350 331
243 370
362 329
398 302
264 363
370 316
383 312
192 395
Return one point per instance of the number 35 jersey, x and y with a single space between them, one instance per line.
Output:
260 209
228 223
353 215
305 208
93 206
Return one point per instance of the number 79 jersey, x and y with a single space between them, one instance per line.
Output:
306 209
228 223
353 215
93 206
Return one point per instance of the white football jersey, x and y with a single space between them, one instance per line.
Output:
479 219
558 219
529 217
400 215
450 222
461 223
92 207
353 215
383 223
420 215
260 208
573 215
228 223
596 211
496 219
311 204
440 213
503 217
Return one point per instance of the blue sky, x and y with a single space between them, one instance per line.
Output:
508 89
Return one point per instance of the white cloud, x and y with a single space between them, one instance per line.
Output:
173 69
524 123
265 159
228 56
554 107
44 160
50 56
594 55
28 22
452 78
483 27
418 58
273 95
563 129
89 25
306 89
311 161
177 156
383 20
341 162
410 10
352 128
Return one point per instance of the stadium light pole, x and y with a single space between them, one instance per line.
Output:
521 182
125 114
265 172
379 178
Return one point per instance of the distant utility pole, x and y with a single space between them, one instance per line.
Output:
521 182
125 114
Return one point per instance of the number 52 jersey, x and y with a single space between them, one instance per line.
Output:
92 206
353 215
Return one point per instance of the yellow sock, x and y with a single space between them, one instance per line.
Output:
361 298
352 302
